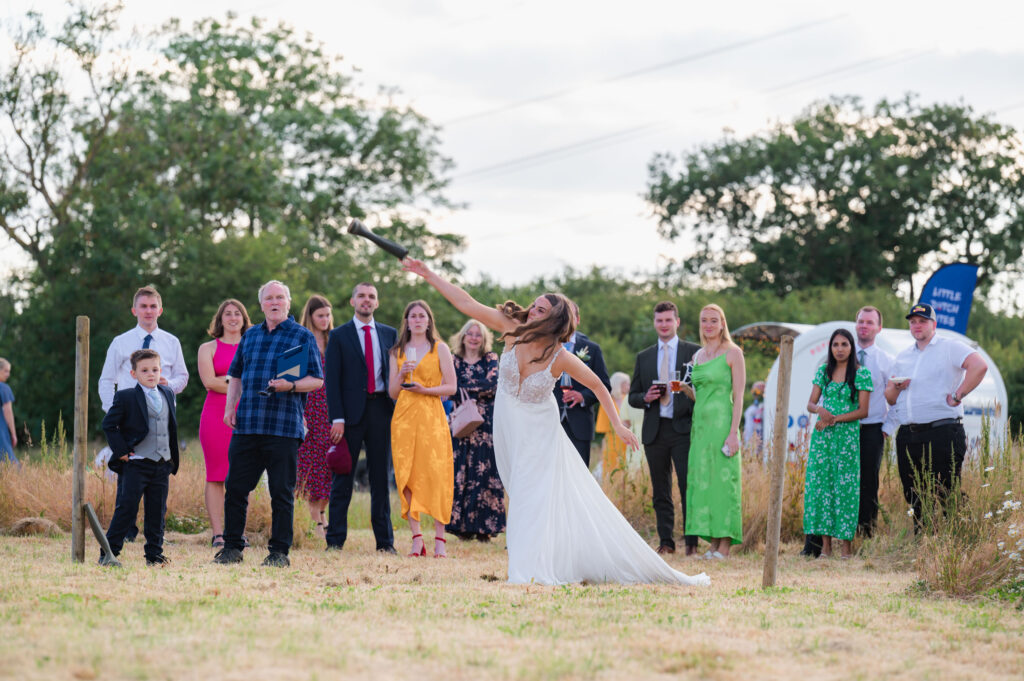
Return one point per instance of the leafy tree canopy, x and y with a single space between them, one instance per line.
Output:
848 195
237 154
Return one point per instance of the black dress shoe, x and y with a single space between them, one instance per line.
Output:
387 549
665 548
333 547
158 561
228 556
275 559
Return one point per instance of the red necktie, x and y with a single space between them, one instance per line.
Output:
371 384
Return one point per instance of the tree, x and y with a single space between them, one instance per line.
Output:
239 156
843 195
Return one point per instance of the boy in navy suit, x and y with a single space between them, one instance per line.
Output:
142 432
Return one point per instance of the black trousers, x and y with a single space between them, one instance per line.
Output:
374 430
933 457
872 448
248 457
669 449
146 481
582 446
133 531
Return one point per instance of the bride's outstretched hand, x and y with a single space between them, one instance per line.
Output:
627 436
416 267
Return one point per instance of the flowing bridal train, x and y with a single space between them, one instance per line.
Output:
561 526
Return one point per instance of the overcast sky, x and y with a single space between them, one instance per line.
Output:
552 110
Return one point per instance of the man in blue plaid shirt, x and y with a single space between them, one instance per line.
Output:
267 425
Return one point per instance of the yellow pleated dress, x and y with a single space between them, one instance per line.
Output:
614 448
421 446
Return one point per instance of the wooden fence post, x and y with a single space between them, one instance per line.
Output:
780 452
81 439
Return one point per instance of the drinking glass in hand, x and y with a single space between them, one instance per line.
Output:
565 383
662 387
410 356
676 384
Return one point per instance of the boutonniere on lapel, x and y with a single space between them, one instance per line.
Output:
583 353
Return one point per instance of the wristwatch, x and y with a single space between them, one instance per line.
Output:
292 389
957 398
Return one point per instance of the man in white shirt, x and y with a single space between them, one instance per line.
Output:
934 375
117 368
147 307
878 425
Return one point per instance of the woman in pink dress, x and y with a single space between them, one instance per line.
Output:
227 327
314 477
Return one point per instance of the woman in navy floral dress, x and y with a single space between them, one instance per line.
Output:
478 510
313 481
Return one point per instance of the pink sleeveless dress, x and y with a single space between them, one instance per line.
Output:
214 435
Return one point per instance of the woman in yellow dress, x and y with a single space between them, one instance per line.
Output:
421 444
613 448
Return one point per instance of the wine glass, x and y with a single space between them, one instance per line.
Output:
411 356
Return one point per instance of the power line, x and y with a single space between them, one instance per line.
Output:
882 60
695 56
548 154
633 132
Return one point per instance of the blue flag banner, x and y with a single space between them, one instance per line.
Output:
950 291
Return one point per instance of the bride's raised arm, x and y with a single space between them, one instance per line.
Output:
463 302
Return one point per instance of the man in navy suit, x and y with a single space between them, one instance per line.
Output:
360 411
575 399
142 431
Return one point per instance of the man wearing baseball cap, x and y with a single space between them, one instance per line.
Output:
929 382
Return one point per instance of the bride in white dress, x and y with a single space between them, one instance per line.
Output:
561 527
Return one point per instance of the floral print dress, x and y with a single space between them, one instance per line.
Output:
832 489
479 505
313 475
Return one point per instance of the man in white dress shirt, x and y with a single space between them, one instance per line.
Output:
117 368
936 374
879 424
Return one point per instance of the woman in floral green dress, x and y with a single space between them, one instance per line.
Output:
832 489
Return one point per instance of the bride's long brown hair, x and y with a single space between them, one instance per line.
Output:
557 326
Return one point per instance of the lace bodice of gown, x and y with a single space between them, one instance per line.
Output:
535 388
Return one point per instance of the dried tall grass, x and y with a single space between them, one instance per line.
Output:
41 487
971 541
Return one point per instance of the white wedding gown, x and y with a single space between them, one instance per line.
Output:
561 526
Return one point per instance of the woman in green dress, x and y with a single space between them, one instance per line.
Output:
832 488
713 483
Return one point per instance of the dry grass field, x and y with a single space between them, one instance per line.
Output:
361 615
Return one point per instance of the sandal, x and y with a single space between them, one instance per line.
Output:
217 541
436 554
423 548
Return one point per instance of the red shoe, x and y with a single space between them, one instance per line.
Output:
423 549
436 554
